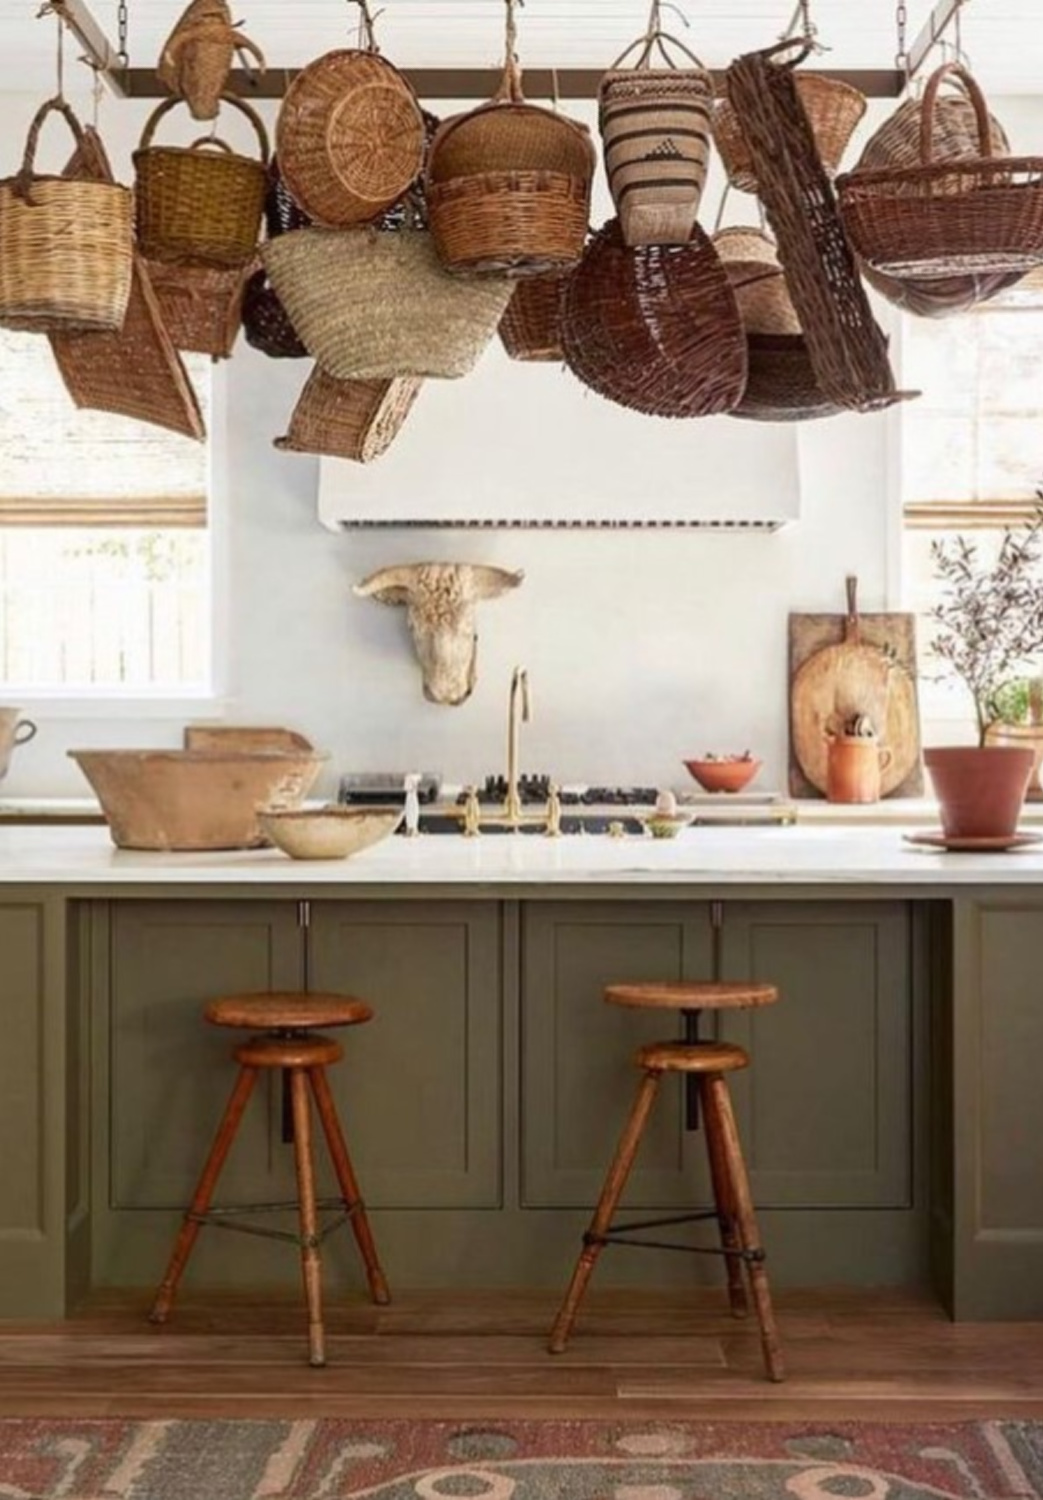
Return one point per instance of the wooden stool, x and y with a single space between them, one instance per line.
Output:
705 1066
289 1042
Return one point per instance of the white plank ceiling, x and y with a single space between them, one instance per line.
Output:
1004 38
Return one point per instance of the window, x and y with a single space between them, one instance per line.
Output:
105 542
972 446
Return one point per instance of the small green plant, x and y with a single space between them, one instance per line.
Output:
989 621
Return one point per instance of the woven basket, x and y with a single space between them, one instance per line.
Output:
833 108
752 264
372 305
66 244
349 137
942 297
281 211
781 385
655 129
134 371
266 323
530 329
656 329
508 187
356 419
847 349
202 306
196 57
981 216
202 203
955 132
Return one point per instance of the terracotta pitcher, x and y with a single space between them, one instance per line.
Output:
853 767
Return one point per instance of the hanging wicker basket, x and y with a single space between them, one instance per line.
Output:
656 126
354 419
349 137
752 263
833 110
66 244
196 57
202 306
657 328
980 216
202 203
508 186
530 329
266 323
373 305
781 384
942 297
896 143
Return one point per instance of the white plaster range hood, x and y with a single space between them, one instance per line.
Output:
526 445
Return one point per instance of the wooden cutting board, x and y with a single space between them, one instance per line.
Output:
840 665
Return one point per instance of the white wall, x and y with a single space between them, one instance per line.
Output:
642 648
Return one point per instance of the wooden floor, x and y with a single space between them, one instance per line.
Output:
852 1355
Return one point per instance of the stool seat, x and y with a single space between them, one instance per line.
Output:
288 1052
702 1057
287 1010
695 996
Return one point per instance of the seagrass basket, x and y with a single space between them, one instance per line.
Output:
781 384
66 244
752 263
656 128
354 419
981 215
955 132
372 305
133 371
656 328
202 306
833 110
202 203
349 137
530 329
508 187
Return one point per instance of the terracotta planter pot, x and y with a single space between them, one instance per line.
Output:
980 791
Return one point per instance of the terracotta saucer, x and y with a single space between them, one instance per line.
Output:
938 840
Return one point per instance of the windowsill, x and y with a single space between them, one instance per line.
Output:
117 706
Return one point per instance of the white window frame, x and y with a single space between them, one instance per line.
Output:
138 703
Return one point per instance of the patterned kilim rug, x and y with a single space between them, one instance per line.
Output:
330 1460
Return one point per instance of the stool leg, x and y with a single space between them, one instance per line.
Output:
189 1232
349 1186
724 1202
615 1182
719 1105
311 1265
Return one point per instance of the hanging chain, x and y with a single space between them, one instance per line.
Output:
902 30
122 28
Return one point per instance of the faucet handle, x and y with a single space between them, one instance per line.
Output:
472 813
553 828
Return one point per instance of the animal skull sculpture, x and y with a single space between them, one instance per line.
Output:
442 601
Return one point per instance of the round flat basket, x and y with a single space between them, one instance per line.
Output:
781 385
944 297
833 108
655 328
752 263
349 137
530 329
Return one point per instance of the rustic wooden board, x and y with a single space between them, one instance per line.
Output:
892 633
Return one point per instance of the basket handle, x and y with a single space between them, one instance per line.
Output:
239 104
211 140
23 180
953 72
658 41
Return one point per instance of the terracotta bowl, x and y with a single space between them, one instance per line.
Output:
328 832
723 775
195 799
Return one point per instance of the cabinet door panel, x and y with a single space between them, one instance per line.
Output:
579 1076
825 1108
419 1089
171 1073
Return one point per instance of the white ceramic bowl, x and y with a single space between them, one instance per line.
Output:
328 832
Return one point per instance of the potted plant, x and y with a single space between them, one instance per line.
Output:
989 627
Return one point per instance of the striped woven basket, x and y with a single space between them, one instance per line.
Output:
656 127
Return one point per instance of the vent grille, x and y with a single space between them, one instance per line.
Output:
686 524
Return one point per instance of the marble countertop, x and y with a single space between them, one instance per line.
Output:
708 858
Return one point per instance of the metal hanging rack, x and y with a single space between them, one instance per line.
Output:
113 64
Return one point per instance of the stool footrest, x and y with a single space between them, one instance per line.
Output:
622 1236
222 1218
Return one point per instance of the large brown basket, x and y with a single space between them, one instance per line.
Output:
781 384
66 244
201 203
349 137
656 127
202 306
656 328
848 351
508 187
530 329
134 371
372 305
982 216
833 108
752 263
355 419
955 134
